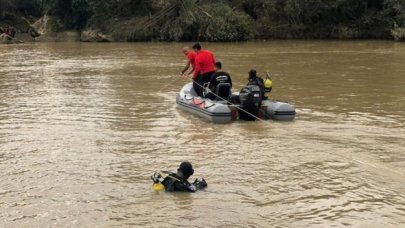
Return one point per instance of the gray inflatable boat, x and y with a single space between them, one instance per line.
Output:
220 111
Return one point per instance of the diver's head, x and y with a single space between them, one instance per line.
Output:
186 169
252 74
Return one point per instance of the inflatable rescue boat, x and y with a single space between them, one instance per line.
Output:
224 111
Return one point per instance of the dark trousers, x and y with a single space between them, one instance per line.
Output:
211 96
205 78
196 85
199 82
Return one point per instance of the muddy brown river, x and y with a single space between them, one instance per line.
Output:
83 127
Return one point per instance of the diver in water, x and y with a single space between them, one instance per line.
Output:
179 181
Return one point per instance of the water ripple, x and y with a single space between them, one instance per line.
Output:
83 126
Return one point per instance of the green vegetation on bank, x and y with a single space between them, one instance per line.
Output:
216 20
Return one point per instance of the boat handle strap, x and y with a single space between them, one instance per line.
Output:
209 106
198 103
185 98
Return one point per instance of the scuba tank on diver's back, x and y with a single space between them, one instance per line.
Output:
158 187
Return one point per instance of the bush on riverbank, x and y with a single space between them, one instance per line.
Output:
180 20
398 33
345 19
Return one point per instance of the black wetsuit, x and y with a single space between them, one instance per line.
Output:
176 182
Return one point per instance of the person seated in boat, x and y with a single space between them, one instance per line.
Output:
179 181
220 84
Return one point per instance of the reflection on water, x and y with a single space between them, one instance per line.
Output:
83 126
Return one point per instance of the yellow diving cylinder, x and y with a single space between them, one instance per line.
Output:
268 83
158 187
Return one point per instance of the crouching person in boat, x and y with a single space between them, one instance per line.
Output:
220 84
178 181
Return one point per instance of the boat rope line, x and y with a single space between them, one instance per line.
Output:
234 105
168 84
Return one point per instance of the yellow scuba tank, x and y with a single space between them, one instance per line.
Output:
158 187
268 83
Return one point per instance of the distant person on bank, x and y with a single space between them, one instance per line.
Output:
204 68
10 31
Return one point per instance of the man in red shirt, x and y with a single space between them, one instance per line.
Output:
190 55
204 68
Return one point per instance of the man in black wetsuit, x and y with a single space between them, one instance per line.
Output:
219 77
178 181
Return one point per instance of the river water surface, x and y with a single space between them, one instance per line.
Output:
83 126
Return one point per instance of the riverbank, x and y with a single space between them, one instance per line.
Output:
96 37
189 20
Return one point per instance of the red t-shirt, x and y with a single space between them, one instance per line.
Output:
191 57
204 63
